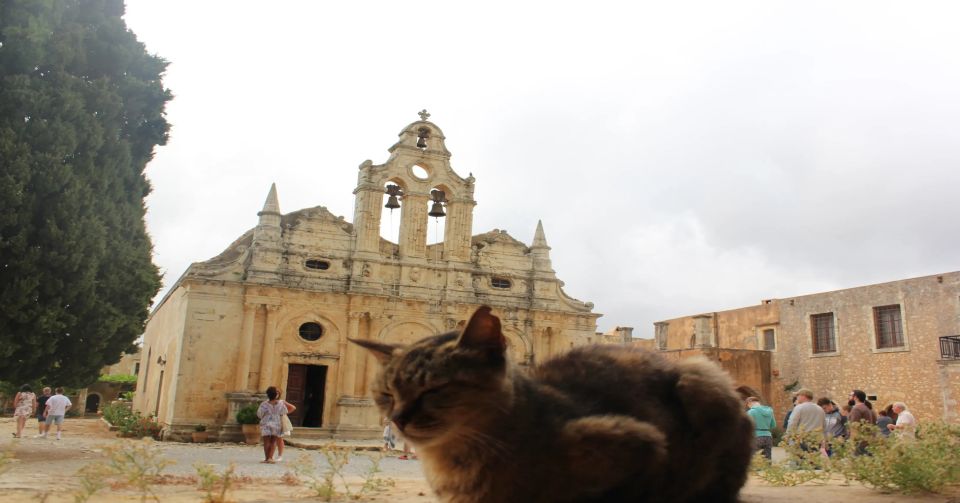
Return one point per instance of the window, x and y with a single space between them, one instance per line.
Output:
769 340
136 369
889 326
310 331
824 340
500 283
321 265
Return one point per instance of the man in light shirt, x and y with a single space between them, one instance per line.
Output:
56 408
906 424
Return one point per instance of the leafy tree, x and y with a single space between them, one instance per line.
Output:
81 109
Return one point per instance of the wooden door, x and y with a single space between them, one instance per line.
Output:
296 389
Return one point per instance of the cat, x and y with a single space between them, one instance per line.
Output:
599 423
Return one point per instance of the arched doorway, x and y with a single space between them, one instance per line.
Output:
93 403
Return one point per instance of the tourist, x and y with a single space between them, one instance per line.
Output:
862 410
287 426
763 422
389 439
56 407
861 413
24 403
271 426
41 411
883 421
786 418
891 414
835 424
807 421
906 426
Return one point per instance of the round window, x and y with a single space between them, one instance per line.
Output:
310 331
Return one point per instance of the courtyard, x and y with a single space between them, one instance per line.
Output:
46 470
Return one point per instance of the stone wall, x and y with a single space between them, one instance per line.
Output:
913 373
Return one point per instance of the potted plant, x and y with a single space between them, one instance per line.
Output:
249 423
200 434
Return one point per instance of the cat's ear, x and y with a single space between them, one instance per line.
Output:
381 351
483 332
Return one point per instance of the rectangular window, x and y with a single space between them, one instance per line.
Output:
824 340
889 326
769 340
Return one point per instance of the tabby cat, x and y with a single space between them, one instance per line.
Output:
600 423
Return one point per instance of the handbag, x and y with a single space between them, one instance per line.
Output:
286 424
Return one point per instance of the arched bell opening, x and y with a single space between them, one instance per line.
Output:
437 214
391 210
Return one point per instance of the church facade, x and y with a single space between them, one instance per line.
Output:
277 306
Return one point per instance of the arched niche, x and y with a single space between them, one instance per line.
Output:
390 218
437 226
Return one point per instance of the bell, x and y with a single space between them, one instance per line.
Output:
437 210
392 203
421 142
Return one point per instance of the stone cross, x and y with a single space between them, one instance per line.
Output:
423 114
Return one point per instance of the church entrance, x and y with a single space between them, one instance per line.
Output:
305 390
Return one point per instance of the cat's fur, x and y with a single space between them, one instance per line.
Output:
600 423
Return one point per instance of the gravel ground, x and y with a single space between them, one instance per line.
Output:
43 469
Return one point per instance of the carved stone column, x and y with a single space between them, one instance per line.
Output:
348 351
269 343
246 343
413 226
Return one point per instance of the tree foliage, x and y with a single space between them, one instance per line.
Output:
81 109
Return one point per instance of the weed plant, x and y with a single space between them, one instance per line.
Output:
136 463
328 480
214 483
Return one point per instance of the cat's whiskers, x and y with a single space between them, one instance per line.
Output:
485 442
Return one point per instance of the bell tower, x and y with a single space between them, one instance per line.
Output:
419 181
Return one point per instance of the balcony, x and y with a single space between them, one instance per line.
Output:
950 347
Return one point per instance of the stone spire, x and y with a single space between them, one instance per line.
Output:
539 239
269 227
540 251
271 206
266 249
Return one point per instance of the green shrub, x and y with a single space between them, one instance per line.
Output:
116 414
138 426
248 415
930 463
119 378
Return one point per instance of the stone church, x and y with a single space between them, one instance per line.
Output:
277 306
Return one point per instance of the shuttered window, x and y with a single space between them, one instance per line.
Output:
824 336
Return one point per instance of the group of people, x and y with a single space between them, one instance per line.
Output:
824 417
274 424
49 409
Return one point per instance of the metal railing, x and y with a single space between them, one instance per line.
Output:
950 347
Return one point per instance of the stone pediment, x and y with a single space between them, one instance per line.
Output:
497 236
230 260
317 214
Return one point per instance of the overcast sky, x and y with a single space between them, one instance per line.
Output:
684 157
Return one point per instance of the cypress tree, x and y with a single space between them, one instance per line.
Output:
81 109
